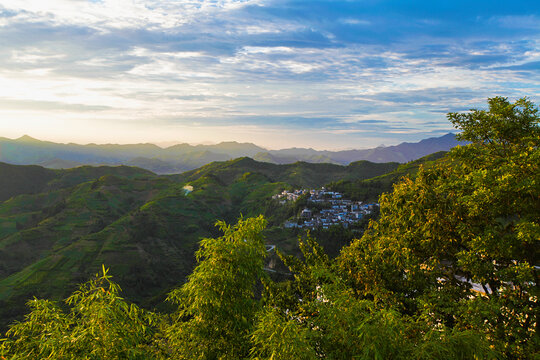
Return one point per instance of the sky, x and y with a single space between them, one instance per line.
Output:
278 73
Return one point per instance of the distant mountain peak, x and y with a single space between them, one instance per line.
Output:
27 138
228 142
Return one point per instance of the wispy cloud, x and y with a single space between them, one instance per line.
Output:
335 73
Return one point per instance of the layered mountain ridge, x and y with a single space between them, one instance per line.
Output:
183 157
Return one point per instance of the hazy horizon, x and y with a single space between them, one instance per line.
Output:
277 73
165 145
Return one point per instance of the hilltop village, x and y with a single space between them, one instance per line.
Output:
328 208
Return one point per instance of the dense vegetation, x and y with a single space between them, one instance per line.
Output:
370 189
447 272
58 226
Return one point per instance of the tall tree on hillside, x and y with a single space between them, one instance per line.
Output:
473 219
217 305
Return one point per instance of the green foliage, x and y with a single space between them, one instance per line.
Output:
504 125
472 218
216 306
317 315
314 315
278 336
98 325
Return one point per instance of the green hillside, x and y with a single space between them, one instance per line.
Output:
370 189
299 174
145 227
15 180
32 179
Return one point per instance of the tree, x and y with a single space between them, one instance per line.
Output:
99 325
472 219
216 307
316 315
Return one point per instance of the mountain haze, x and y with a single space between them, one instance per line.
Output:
401 153
183 157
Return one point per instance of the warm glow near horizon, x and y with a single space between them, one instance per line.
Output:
277 73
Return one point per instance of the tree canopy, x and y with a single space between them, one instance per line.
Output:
468 225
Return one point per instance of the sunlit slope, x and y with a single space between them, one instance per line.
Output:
370 189
144 229
143 226
299 174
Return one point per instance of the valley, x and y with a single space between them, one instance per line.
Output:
57 227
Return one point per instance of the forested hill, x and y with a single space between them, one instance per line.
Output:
370 189
58 226
32 179
299 174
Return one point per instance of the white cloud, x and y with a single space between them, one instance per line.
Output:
355 21
122 13
34 56
133 63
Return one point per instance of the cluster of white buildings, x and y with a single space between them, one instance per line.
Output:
337 210
290 195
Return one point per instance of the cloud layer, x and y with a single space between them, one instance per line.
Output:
324 74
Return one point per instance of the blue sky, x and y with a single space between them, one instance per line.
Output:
279 73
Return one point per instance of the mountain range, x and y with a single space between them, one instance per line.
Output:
183 157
